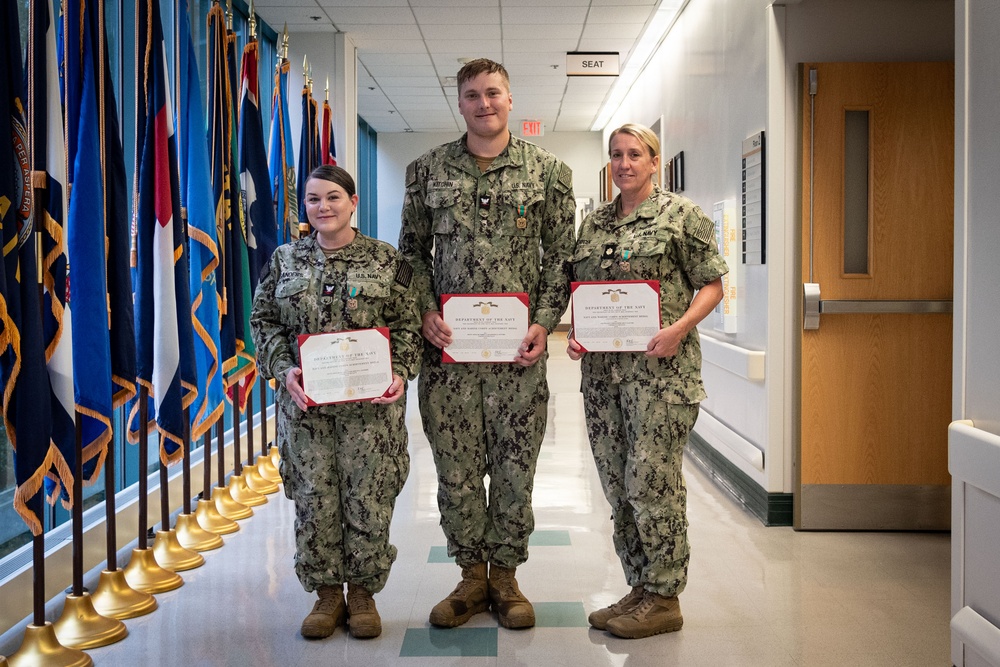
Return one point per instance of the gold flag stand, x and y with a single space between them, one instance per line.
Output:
143 573
192 535
171 555
114 598
40 647
80 626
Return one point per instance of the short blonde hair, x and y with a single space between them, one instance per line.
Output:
645 136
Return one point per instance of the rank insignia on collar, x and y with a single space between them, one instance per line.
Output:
484 201
610 250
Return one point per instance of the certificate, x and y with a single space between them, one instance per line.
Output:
345 365
485 328
617 316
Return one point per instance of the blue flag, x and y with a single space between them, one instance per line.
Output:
309 156
23 377
282 161
49 165
196 198
164 345
262 236
86 230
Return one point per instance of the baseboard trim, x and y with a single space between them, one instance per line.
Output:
773 509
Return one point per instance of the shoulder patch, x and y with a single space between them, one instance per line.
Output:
703 230
404 273
565 177
411 174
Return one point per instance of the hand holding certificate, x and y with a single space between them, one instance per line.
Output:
617 316
345 365
486 328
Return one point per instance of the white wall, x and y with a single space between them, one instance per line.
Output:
334 56
714 80
581 151
974 448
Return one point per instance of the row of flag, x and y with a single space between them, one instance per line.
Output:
95 305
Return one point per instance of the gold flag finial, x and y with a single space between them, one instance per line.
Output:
229 14
305 67
284 43
327 89
253 22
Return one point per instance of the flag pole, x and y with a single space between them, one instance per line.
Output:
40 645
265 463
114 597
167 549
238 485
143 573
190 533
227 506
255 480
80 626
207 514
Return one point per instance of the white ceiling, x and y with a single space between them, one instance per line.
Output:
409 51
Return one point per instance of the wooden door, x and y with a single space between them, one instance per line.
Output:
877 212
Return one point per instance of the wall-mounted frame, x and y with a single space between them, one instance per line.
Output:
604 177
668 175
659 178
677 169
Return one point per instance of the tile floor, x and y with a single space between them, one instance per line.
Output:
756 595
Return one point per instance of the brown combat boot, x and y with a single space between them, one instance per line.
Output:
362 616
654 615
469 598
328 612
512 608
599 619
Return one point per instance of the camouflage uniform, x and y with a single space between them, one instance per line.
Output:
640 410
487 419
342 464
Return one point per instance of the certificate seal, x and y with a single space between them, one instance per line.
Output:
617 342
486 354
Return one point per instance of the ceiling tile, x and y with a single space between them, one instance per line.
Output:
456 15
618 14
463 31
355 15
551 15
382 30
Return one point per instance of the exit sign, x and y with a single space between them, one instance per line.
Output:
532 128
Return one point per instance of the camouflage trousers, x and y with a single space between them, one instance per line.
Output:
343 465
638 441
484 419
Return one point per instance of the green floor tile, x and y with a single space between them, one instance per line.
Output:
549 538
560 615
439 555
464 642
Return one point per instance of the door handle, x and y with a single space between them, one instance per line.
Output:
911 306
813 306
810 306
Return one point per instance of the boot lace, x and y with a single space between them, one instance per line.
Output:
631 600
326 605
360 602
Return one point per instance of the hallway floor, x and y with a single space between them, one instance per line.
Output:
756 595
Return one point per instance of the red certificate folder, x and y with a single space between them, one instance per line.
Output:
487 305
340 339
612 286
